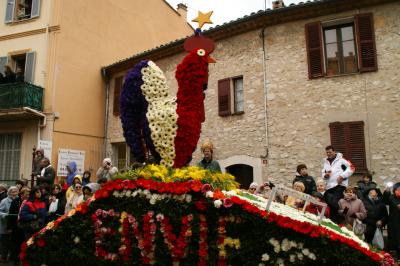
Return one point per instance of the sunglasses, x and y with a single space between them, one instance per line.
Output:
78 187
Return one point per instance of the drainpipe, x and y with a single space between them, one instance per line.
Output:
265 84
107 103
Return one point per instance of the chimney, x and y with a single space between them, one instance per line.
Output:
182 10
277 4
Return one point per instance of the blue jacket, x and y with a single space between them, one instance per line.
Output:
74 169
32 210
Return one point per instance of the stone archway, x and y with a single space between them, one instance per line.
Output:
253 162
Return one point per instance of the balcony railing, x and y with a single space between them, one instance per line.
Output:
21 94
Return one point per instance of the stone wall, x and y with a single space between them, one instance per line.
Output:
299 110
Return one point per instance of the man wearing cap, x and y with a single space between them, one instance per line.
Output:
207 162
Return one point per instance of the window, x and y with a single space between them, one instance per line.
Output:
120 158
22 64
10 153
348 139
117 92
341 48
228 105
17 10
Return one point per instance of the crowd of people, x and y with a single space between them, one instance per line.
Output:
10 76
363 208
24 210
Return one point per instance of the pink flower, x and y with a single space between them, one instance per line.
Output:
228 203
98 212
205 188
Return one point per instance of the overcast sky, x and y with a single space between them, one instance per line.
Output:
224 10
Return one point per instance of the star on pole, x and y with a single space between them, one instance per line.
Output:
203 18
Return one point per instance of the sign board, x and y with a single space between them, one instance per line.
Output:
65 156
46 145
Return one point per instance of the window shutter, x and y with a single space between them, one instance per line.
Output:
117 93
29 67
348 139
224 97
314 50
367 59
3 62
357 145
35 10
10 11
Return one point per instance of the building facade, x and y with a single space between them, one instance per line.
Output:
60 46
290 81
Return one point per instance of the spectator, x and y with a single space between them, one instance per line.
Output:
207 162
19 75
9 75
393 200
317 209
3 191
253 188
77 179
377 214
17 235
102 181
5 204
20 184
293 201
321 186
47 174
89 190
86 177
37 167
265 189
365 184
57 202
72 170
350 207
75 198
107 170
308 181
33 213
336 171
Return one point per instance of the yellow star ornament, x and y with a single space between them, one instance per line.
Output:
203 18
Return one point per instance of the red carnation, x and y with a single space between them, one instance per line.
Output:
201 205
41 242
228 203
205 188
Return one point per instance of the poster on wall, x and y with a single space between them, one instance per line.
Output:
65 156
46 145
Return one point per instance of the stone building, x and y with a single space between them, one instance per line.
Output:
287 83
61 45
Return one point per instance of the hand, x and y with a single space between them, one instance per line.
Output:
345 210
379 223
339 179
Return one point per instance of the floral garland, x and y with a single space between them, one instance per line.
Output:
200 197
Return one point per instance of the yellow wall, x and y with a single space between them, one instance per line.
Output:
92 36
29 130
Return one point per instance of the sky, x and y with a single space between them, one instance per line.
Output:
224 10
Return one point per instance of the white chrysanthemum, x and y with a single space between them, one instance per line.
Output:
312 256
209 194
265 257
285 245
280 262
277 249
300 256
76 240
188 198
292 258
306 252
217 203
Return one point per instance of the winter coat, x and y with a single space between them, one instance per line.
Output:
70 176
356 209
70 190
73 201
32 211
4 209
339 167
393 220
12 220
308 182
3 195
106 173
48 176
376 211
212 165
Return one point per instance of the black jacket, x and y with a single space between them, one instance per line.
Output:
48 177
308 182
394 219
376 211
14 210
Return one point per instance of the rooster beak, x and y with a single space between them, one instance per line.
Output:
211 60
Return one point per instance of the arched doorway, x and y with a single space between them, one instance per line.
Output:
243 174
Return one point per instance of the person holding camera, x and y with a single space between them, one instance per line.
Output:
107 170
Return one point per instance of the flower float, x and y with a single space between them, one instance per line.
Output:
162 216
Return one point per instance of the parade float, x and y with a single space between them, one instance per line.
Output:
171 214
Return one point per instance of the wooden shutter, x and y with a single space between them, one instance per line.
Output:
348 138
35 10
10 11
117 93
29 67
364 26
224 97
314 50
3 62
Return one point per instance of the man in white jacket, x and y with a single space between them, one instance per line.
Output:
336 172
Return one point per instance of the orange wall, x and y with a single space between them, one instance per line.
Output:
91 36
